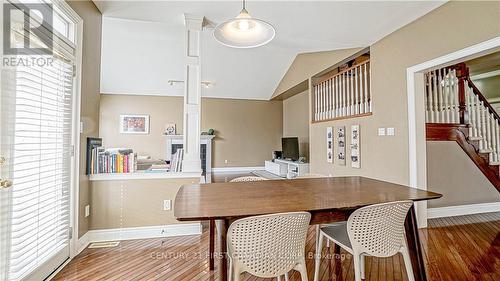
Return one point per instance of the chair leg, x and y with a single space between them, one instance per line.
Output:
317 256
230 265
357 266
286 276
237 275
279 278
301 267
362 261
408 266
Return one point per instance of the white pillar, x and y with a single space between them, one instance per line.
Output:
192 95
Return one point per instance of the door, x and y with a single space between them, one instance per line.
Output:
36 136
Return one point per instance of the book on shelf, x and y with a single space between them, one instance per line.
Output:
112 160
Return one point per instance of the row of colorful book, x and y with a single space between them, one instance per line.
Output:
113 160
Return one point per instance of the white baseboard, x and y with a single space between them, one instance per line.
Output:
131 233
463 210
157 231
82 243
237 169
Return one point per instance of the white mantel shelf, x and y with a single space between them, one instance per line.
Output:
180 136
142 176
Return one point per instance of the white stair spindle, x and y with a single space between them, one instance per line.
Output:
456 108
468 100
484 135
344 95
435 103
337 97
319 101
315 96
441 94
497 134
488 128
356 99
362 86
351 79
347 92
493 138
477 105
330 99
430 97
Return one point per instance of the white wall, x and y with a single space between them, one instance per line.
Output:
137 57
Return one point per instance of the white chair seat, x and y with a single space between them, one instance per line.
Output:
338 234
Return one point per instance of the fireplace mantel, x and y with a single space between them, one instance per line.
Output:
175 140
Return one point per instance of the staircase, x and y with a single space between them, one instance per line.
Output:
457 111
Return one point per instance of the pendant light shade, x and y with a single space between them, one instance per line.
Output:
244 31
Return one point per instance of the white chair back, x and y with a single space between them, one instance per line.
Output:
248 178
270 245
378 230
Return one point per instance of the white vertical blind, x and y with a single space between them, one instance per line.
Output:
41 165
38 106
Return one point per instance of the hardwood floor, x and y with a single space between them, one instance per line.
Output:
460 248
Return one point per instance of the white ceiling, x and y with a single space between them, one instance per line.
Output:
301 26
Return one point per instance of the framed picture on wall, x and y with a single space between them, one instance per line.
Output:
355 143
329 144
134 124
341 145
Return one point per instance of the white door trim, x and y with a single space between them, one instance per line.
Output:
416 120
75 173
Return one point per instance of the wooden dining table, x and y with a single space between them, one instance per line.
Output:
328 200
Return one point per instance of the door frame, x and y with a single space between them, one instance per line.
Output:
417 160
76 127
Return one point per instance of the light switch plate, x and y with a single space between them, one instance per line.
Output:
87 210
167 205
81 127
381 131
391 131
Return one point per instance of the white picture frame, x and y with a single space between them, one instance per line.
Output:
341 145
329 144
355 147
134 124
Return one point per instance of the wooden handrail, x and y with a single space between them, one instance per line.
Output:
330 76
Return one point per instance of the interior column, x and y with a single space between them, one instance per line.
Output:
192 95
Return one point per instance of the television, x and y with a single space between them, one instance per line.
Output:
290 147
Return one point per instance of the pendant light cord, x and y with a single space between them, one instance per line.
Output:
243 4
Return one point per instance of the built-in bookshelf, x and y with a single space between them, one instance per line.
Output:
112 161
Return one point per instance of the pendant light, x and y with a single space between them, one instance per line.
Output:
244 31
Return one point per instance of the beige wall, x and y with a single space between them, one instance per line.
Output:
435 34
452 173
296 120
133 203
90 95
247 131
489 87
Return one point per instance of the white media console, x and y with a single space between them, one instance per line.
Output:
283 167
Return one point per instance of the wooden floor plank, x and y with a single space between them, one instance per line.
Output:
455 249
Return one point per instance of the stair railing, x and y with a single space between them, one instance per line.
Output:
341 95
451 97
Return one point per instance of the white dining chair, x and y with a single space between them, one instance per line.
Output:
375 230
268 246
248 179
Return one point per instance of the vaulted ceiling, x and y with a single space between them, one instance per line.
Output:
301 26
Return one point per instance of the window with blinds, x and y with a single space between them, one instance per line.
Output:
37 129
